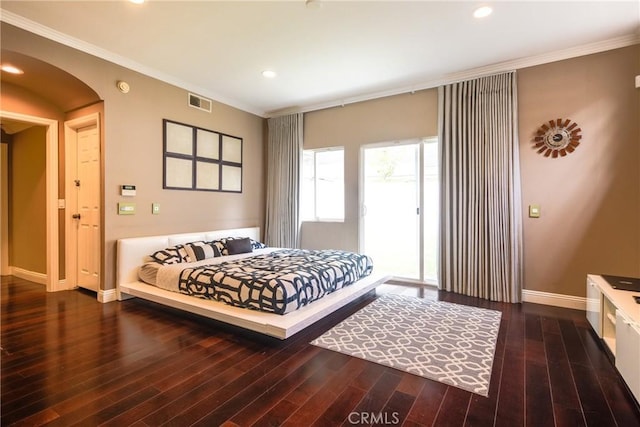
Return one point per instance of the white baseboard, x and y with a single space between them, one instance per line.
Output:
103 296
31 276
107 296
557 300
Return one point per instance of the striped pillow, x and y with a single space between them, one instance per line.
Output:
197 251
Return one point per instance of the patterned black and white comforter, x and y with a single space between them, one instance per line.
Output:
278 282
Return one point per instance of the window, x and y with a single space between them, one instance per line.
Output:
322 189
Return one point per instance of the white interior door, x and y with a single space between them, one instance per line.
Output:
87 215
391 209
4 210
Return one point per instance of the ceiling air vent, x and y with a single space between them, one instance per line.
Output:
200 103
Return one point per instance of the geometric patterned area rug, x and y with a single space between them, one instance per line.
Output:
450 343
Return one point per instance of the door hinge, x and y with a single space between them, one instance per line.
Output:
77 182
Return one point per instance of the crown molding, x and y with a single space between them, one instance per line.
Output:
502 67
91 49
57 36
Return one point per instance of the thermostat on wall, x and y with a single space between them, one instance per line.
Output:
127 190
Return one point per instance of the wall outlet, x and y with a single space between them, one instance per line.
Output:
155 208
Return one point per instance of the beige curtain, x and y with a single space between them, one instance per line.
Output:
284 153
480 201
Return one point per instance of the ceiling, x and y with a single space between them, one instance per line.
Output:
69 93
11 126
327 54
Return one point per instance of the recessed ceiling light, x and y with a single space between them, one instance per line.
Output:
137 1
269 74
11 69
482 12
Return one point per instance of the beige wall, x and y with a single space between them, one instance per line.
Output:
590 199
27 200
133 155
132 149
352 126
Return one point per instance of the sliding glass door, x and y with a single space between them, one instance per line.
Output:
399 209
430 210
390 209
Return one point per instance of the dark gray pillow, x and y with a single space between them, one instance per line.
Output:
239 246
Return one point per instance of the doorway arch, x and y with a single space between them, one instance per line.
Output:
41 92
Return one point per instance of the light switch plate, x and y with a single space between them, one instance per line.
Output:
155 208
126 208
534 211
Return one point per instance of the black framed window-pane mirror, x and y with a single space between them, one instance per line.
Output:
200 159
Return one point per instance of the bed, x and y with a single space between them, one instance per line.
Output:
132 253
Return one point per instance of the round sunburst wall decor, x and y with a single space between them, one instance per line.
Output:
557 137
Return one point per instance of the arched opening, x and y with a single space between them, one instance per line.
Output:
35 106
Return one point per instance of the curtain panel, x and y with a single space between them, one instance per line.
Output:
481 250
284 153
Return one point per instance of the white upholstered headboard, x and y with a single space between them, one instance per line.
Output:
133 252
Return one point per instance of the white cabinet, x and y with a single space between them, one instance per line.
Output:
594 306
615 317
628 352
609 310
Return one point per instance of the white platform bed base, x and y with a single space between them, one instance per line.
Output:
133 252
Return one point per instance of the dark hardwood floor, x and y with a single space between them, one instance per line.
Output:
70 360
